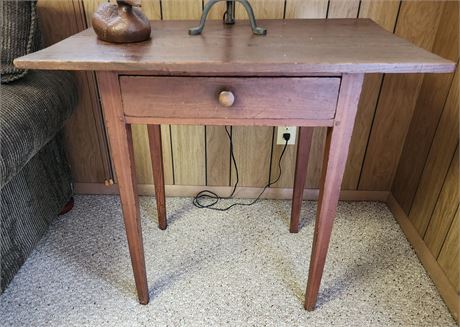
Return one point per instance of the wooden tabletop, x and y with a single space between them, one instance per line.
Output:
299 47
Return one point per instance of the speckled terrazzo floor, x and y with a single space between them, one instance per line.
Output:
239 268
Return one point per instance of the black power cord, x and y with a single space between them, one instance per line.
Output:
215 198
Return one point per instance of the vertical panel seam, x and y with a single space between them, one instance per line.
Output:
327 8
370 133
172 155
447 234
432 142
440 192
376 106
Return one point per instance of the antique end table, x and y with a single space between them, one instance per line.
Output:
304 73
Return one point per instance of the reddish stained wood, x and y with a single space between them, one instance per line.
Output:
293 46
303 153
267 98
120 138
336 152
156 155
230 121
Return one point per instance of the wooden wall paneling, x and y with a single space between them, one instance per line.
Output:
86 145
449 256
217 156
217 11
142 154
188 142
140 140
306 8
89 7
263 9
301 9
432 266
152 9
417 22
141 150
217 143
385 14
181 9
428 109
439 158
252 145
343 9
188 147
445 209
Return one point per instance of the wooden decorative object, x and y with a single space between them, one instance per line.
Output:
121 22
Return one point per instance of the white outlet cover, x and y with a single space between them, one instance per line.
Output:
280 130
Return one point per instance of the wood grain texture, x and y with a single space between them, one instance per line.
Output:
428 110
437 164
263 9
343 9
255 98
302 158
188 143
252 149
217 142
85 140
90 7
437 274
335 156
385 14
253 144
156 155
449 256
122 152
332 47
301 9
217 156
152 10
417 22
445 209
142 154
180 9
306 8
217 11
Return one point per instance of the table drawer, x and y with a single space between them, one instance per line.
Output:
196 99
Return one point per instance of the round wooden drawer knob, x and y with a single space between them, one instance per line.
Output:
226 98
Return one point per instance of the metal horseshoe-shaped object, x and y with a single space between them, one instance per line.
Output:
229 16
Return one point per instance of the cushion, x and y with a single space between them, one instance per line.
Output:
32 111
20 35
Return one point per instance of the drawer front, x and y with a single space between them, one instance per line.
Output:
196 99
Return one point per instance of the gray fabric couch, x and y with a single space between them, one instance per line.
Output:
35 179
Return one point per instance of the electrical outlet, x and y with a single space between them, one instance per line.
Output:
280 130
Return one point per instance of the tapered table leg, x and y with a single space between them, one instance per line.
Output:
336 153
303 154
120 137
156 155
